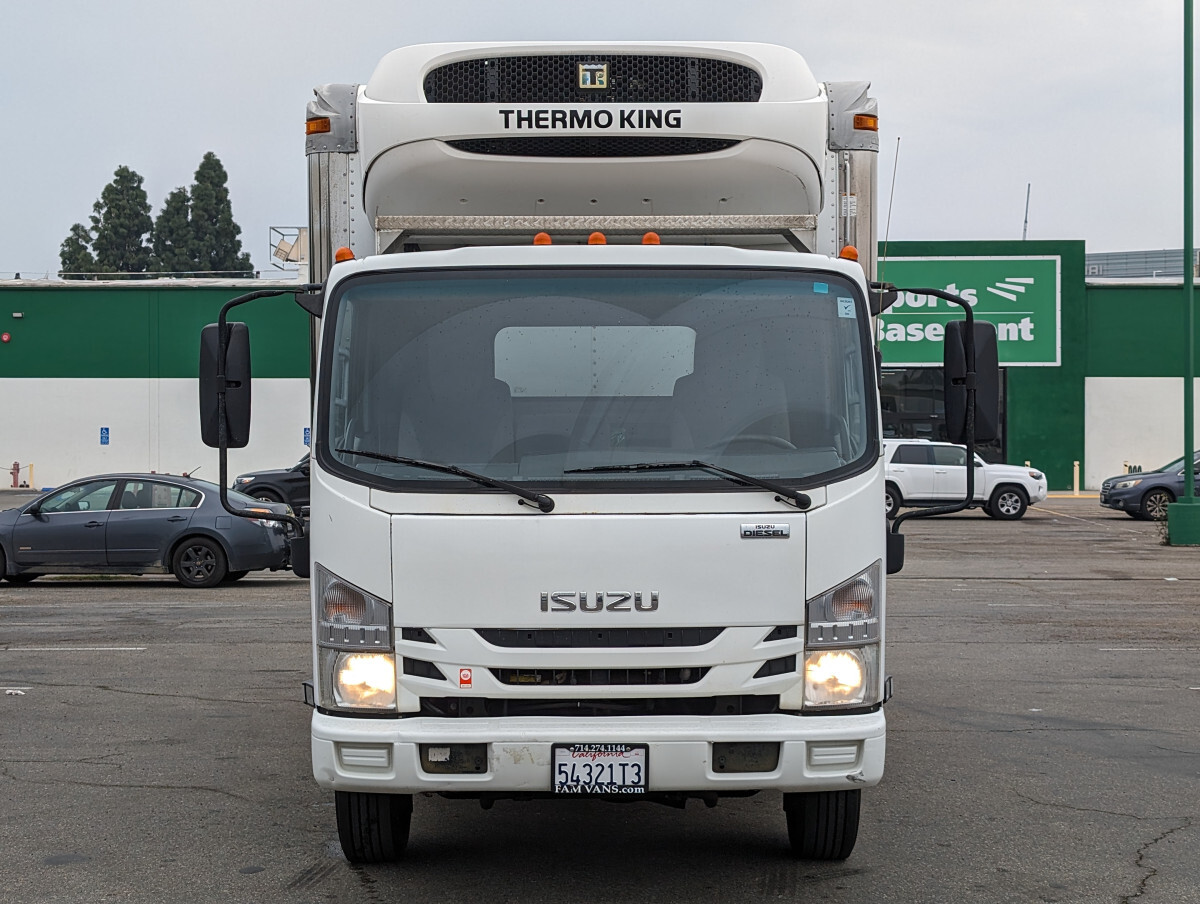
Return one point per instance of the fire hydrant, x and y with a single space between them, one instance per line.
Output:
16 474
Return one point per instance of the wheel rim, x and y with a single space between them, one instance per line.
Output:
1156 506
1008 503
888 503
198 563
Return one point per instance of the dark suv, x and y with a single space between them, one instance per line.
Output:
1146 494
288 485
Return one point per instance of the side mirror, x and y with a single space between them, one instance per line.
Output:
987 381
298 546
236 385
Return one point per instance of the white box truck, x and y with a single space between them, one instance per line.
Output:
597 495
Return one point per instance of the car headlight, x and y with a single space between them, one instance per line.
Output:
356 658
1126 484
240 481
842 634
1036 475
365 681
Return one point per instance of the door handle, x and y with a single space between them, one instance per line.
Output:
177 518
94 524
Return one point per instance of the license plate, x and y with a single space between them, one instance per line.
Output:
600 768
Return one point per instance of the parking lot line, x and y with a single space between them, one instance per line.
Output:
71 649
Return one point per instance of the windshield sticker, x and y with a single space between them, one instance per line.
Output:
846 307
820 288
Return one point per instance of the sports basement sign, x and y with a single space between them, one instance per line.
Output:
1021 295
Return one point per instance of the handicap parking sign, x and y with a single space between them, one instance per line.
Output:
308 436
104 436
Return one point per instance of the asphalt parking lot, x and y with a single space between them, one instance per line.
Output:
1043 746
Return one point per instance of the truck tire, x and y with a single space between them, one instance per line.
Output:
373 828
822 825
1008 503
891 501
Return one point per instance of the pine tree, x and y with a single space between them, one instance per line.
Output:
76 252
120 223
215 246
173 238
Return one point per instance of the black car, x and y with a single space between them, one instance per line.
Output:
1146 494
288 485
140 524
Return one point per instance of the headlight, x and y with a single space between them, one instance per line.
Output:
1036 475
841 677
365 681
1126 484
242 480
842 633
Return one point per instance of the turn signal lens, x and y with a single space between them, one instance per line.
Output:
866 122
315 126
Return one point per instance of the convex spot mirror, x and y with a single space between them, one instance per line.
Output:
237 385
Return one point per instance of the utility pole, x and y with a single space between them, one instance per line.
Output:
1183 516
1025 228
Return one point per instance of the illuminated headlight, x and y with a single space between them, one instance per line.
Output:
842 634
1126 484
365 681
356 659
841 677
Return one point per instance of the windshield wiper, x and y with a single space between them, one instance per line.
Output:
801 500
528 497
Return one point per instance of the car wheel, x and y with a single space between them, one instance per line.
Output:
231 576
199 562
822 825
267 496
1154 504
891 501
987 510
1008 503
373 828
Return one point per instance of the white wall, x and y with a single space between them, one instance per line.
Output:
154 425
1132 419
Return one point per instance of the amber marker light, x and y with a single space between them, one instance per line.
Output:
343 254
848 253
542 238
866 122
597 238
651 238
317 126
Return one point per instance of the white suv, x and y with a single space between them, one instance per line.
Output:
920 472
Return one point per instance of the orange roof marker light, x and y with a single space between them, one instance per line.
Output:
343 254
597 238
848 253
542 238
316 126
651 238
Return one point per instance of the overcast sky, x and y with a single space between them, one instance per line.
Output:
1080 98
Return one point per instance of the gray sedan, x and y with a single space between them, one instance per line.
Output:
140 524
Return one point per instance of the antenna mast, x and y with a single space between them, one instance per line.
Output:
1025 228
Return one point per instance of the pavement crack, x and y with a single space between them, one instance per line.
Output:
1150 871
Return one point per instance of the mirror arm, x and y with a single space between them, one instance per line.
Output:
969 344
223 439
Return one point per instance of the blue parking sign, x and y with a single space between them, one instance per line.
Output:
308 436
104 436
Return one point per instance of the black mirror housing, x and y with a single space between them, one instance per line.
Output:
987 381
236 385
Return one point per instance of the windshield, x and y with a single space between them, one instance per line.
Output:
534 376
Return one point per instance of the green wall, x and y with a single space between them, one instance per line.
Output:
1135 331
146 331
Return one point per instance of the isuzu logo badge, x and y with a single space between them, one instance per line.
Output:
600 601
593 76
766 531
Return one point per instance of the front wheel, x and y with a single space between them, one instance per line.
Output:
373 828
822 825
1154 504
199 562
1008 503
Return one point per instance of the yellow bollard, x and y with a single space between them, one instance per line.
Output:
1076 479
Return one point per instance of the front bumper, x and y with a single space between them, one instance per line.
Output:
817 753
